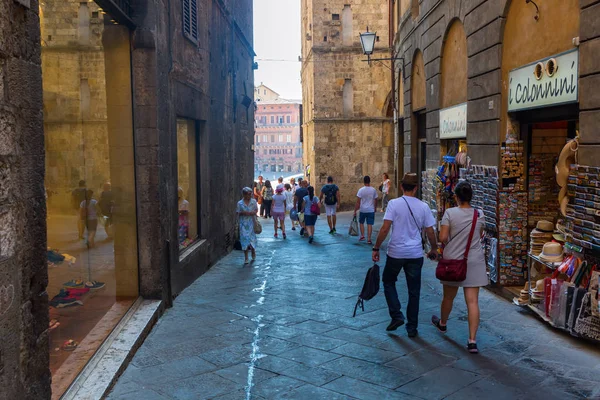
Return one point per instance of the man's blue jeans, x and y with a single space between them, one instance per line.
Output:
412 270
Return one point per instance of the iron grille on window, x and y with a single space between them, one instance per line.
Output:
190 20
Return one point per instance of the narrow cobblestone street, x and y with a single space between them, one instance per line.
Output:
282 328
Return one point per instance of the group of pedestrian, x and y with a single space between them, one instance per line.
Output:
407 217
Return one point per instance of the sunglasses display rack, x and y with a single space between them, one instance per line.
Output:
543 192
484 181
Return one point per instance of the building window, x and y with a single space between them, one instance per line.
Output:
348 98
272 119
280 120
289 168
347 30
272 138
265 139
335 17
187 178
280 168
265 92
280 138
273 168
190 20
288 138
265 167
288 119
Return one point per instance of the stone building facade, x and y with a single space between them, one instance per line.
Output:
277 146
347 117
459 52
134 100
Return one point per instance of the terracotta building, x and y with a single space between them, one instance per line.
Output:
113 116
277 146
347 112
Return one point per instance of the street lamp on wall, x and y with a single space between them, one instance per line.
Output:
367 41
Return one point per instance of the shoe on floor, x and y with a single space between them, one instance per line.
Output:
284 236
395 324
472 347
362 239
331 231
275 235
310 239
302 232
334 231
436 321
413 334
293 228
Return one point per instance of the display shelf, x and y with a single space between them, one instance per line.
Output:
545 263
542 315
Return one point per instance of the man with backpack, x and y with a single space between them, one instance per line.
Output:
330 196
409 217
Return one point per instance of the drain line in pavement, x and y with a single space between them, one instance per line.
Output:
255 355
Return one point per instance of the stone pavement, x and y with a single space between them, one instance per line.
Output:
282 328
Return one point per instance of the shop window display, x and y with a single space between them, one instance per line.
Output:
187 167
90 187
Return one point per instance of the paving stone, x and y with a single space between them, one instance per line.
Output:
313 375
309 356
420 362
310 392
145 394
366 353
373 373
239 374
485 363
227 356
363 390
178 369
200 386
282 332
276 386
239 395
318 341
489 389
275 346
315 327
439 383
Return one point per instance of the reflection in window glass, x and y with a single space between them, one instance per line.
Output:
187 177
90 186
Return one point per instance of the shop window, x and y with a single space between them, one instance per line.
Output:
187 178
190 20
89 180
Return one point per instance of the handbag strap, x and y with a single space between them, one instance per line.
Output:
475 214
411 213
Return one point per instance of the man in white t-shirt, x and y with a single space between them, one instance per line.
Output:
408 216
366 202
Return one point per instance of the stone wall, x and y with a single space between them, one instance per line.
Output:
24 356
495 45
347 133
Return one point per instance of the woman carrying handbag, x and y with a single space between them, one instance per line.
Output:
461 231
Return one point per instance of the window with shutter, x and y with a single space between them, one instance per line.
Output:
190 19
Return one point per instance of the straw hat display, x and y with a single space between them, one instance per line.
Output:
565 159
523 295
552 252
541 235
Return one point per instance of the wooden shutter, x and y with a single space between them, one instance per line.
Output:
190 19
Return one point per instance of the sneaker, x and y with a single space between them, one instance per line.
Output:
334 231
275 235
94 285
437 323
331 231
362 239
284 236
412 334
472 347
302 232
293 228
74 283
310 239
395 324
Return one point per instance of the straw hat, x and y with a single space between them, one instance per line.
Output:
562 194
539 287
559 237
545 226
552 252
563 205
565 159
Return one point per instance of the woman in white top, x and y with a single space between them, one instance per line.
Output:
289 202
385 189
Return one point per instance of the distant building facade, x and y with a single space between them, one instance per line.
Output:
277 146
347 110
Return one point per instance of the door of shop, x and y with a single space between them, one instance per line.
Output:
422 146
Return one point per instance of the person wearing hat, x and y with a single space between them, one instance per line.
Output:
366 202
409 217
278 210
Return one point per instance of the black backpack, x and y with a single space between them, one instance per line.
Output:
370 288
330 196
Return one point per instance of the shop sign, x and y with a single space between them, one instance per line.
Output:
548 82
453 122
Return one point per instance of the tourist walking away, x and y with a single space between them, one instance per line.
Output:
89 215
456 228
247 209
258 195
385 190
77 197
267 195
366 202
407 216
298 199
106 205
310 203
289 203
278 211
330 196
280 183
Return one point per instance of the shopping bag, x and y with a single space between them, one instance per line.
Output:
353 231
559 314
586 324
257 227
